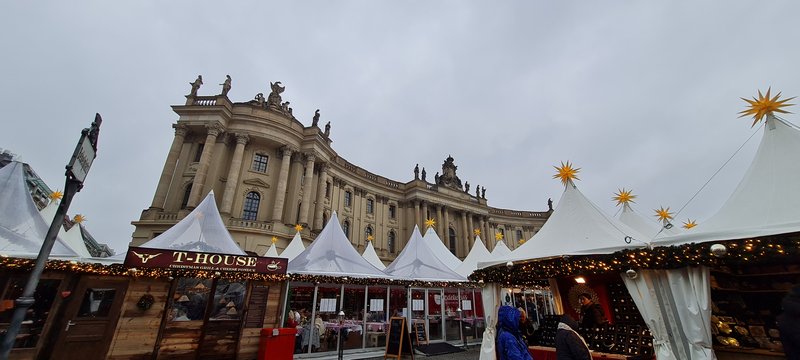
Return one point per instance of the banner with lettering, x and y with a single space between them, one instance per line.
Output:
191 260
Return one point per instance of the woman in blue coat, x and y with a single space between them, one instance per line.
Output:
510 345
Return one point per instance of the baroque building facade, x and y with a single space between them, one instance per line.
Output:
269 172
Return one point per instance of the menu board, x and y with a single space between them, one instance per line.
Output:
398 340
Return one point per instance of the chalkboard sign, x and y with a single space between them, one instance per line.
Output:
399 340
419 333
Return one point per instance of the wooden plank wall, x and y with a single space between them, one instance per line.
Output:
248 342
137 330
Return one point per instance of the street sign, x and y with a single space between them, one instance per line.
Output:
82 159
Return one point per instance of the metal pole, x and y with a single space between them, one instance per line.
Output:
26 300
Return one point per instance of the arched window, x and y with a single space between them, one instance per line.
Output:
250 209
346 228
367 232
186 194
391 241
452 240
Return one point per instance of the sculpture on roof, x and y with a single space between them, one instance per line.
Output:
315 121
274 98
478 191
466 187
423 174
259 100
196 85
436 178
449 177
483 193
549 204
226 85
328 129
416 172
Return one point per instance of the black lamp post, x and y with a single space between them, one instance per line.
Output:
341 341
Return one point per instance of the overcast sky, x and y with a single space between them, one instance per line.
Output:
638 94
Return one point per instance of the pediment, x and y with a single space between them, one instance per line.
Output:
256 182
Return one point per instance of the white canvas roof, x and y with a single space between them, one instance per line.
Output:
576 227
22 228
500 251
648 227
441 251
470 263
294 248
201 230
418 262
370 255
332 254
272 251
72 238
766 200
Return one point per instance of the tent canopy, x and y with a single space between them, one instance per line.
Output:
470 263
332 254
272 251
201 230
370 255
441 251
294 248
418 262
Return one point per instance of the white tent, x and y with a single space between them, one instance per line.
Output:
332 254
370 255
500 251
294 248
272 251
766 200
576 227
441 251
470 263
22 228
418 262
647 227
201 230
72 238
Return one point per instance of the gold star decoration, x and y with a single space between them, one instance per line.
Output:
689 224
79 218
370 238
430 223
56 195
298 227
274 239
623 197
498 236
663 214
521 241
566 173
764 105
477 232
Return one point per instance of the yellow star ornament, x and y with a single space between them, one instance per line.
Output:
79 218
566 173
274 239
56 195
521 241
370 238
430 223
623 197
689 224
764 105
498 236
663 214
477 232
298 227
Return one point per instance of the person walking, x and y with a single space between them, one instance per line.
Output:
510 345
569 344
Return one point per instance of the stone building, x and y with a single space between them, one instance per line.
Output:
269 172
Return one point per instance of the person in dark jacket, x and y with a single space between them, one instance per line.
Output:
510 345
526 327
789 324
569 344
591 313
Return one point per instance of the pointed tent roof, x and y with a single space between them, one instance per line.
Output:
22 228
201 230
332 254
418 262
272 251
470 263
294 248
434 242
72 238
501 250
576 227
371 256
765 201
644 226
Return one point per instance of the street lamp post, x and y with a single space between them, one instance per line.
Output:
341 325
77 169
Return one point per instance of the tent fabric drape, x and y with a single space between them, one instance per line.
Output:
692 295
642 290
490 295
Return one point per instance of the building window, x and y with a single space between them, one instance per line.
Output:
502 232
186 194
250 210
452 240
392 212
391 241
199 152
370 206
260 162
367 232
348 199
324 219
327 189
519 235
346 228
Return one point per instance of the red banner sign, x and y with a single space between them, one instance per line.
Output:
191 260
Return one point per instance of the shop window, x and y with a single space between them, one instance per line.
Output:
186 193
452 241
260 162
391 242
97 302
392 212
370 206
228 300
348 199
346 228
190 299
199 153
36 317
250 209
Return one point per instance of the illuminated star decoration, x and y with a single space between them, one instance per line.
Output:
689 224
477 232
521 241
764 105
566 173
623 197
298 227
663 214
498 236
274 239
370 238
56 195
79 218
430 223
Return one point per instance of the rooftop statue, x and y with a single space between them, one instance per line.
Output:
196 85
315 121
226 85
449 177
274 98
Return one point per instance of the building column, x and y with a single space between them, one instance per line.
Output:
322 183
202 169
465 237
482 226
233 174
283 178
416 216
169 167
470 233
446 231
439 221
309 178
425 213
